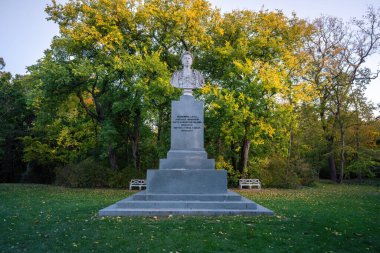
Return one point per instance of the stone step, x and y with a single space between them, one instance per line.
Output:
187 197
188 163
114 211
214 205
192 154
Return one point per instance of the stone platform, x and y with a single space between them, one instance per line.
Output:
145 204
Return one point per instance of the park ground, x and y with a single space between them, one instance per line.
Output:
324 218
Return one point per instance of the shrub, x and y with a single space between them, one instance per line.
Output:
121 179
304 171
233 176
280 172
364 167
90 173
87 173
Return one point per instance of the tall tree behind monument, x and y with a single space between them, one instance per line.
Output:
339 53
254 62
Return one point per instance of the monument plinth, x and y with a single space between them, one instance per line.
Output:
186 182
187 135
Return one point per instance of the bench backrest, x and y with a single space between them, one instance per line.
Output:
249 181
138 182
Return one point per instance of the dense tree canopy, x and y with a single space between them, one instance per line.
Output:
281 94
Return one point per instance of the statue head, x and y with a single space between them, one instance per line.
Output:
187 59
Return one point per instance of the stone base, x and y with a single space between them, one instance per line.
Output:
185 192
187 163
145 204
181 181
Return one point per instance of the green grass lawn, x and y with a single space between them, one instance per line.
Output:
324 218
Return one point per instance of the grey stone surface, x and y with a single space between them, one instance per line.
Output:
115 210
187 126
229 196
186 182
187 163
187 204
186 154
145 204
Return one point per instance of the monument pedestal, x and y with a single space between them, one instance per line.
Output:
186 182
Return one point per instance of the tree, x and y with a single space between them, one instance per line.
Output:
338 53
15 119
361 133
2 63
249 67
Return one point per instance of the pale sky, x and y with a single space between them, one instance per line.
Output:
25 33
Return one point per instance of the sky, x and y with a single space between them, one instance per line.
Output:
25 33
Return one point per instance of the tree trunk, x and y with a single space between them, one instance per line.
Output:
244 154
357 147
98 117
331 157
342 146
218 146
233 158
357 139
332 167
330 141
136 141
135 153
112 157
159 126
290 145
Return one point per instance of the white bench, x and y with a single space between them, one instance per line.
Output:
249 183
137 183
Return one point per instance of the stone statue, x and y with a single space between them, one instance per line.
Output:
187 78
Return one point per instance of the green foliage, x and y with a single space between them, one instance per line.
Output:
92 173
251 63
60 135
15 119
278 171
304 172
280 174
233 176
327 217
364 167
88 173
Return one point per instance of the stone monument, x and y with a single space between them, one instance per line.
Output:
186 182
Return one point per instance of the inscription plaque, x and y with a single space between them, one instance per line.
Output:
187 123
